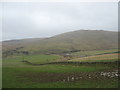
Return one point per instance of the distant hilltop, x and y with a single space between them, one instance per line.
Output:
66 42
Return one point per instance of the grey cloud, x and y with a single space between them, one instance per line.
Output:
25 20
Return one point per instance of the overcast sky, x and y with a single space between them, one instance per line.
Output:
45 19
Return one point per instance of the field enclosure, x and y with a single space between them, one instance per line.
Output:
17 74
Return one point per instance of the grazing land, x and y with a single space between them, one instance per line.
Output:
19 74
100 47
69 42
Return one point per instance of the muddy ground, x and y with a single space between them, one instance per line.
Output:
69 77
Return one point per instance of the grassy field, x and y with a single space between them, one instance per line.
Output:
42 58
15 78
17 74
95 52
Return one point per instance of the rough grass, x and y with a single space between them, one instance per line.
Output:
78 40
98 58
95 52
65 77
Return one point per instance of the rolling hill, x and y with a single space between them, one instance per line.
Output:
80 40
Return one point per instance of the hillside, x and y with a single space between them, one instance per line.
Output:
66 42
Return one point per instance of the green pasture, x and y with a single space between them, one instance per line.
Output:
14 69
38 59
12 79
